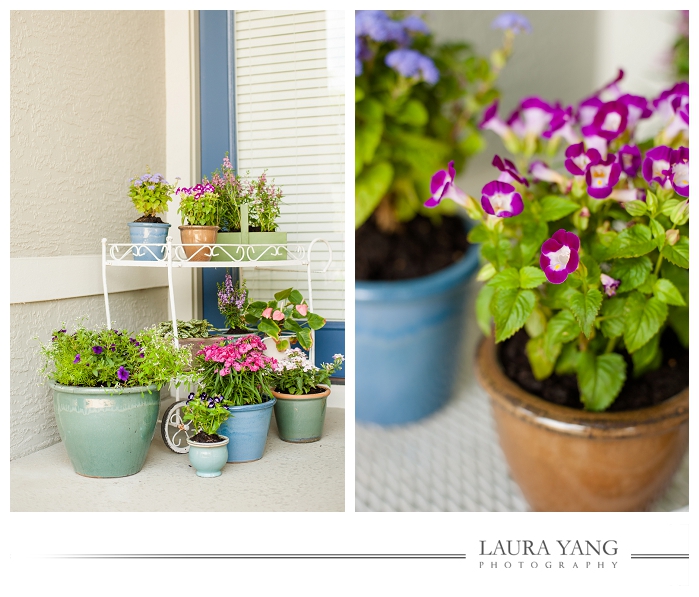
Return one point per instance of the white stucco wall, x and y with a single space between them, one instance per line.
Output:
87 113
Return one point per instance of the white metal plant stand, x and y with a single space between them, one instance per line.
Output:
293 256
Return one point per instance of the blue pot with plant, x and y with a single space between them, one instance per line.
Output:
238 375
418 103
106 394
150 194
208 450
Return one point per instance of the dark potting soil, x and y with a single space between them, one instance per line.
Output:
238 331
205 438
150 220
650 388
417 249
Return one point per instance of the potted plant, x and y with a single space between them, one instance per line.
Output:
233 301
193 333
150 194
417 104
587 282
239 374
287 312
208 451
199 207
302 391
106 394
264 198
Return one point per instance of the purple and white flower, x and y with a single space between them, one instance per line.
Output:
602 176
578 159
560 256
492 122
610 284
540 171
561 125
630 160
679 172
626 195
501 199
532 118
637 107
442 187
609 122
657 166
412 64
509 172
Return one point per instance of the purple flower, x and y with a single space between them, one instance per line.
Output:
610 284
123 374
410 63
626 195
609 122
602 176
442 187
559 256
415 24
511 21
657 166
587 109
630 160
501 199
532 118
492 122
97 349
540 171
76 359
561 125
509 171
112 347
578 160
679 176
377 25
637 107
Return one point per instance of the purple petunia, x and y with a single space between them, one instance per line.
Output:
410 63
511 21
602 176
123 374
97 349
76 359
501 199
560 256
442 187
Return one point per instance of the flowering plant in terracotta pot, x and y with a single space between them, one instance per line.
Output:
199 205
587 271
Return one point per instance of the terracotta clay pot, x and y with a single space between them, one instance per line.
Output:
568 460
198 235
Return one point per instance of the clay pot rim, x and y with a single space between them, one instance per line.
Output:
188 226
506 394
281 396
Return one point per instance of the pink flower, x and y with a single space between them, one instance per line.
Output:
302 309
278 315
442 187
267 313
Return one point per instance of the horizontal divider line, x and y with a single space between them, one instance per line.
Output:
269 556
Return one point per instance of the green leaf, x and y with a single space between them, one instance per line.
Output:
658 232
485 273
632 242
497 254
647 286
511 309
632 272
593 270
370 187
613 317
292 325
554 207
368 130
507 278
304 338
668 206
295 297
585 307
270 328
636 208
678 253
478 234
536 324
561 329
600 379
567 363
679 320
668 293
315 322
283 294
531 277
413 113
539 359
647 315
678 276
651 202
533 236
483 308
648 357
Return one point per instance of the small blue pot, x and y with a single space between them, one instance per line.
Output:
408 334
148 233
208 459
247 429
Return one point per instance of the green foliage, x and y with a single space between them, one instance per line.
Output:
111 358
150 193
585 306
199 207
194 328
511 308
205 413
298 376
647 315
600 379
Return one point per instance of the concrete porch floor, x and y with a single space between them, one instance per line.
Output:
288 478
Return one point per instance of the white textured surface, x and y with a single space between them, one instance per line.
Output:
451 461
289 477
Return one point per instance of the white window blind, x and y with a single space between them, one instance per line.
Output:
291 122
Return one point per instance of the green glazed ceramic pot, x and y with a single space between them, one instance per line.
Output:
106 431
208 459
300 418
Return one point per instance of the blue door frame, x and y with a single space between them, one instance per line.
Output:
218 136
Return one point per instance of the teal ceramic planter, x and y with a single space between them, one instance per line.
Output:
208 459
151 234
300 419
247 430
106 434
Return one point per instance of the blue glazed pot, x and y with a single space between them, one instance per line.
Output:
247 429
208 459
106 432
148 233
408 334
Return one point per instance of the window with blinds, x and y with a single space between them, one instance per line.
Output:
290 107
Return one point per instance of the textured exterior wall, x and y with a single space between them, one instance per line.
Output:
32 424
87 101
87 113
